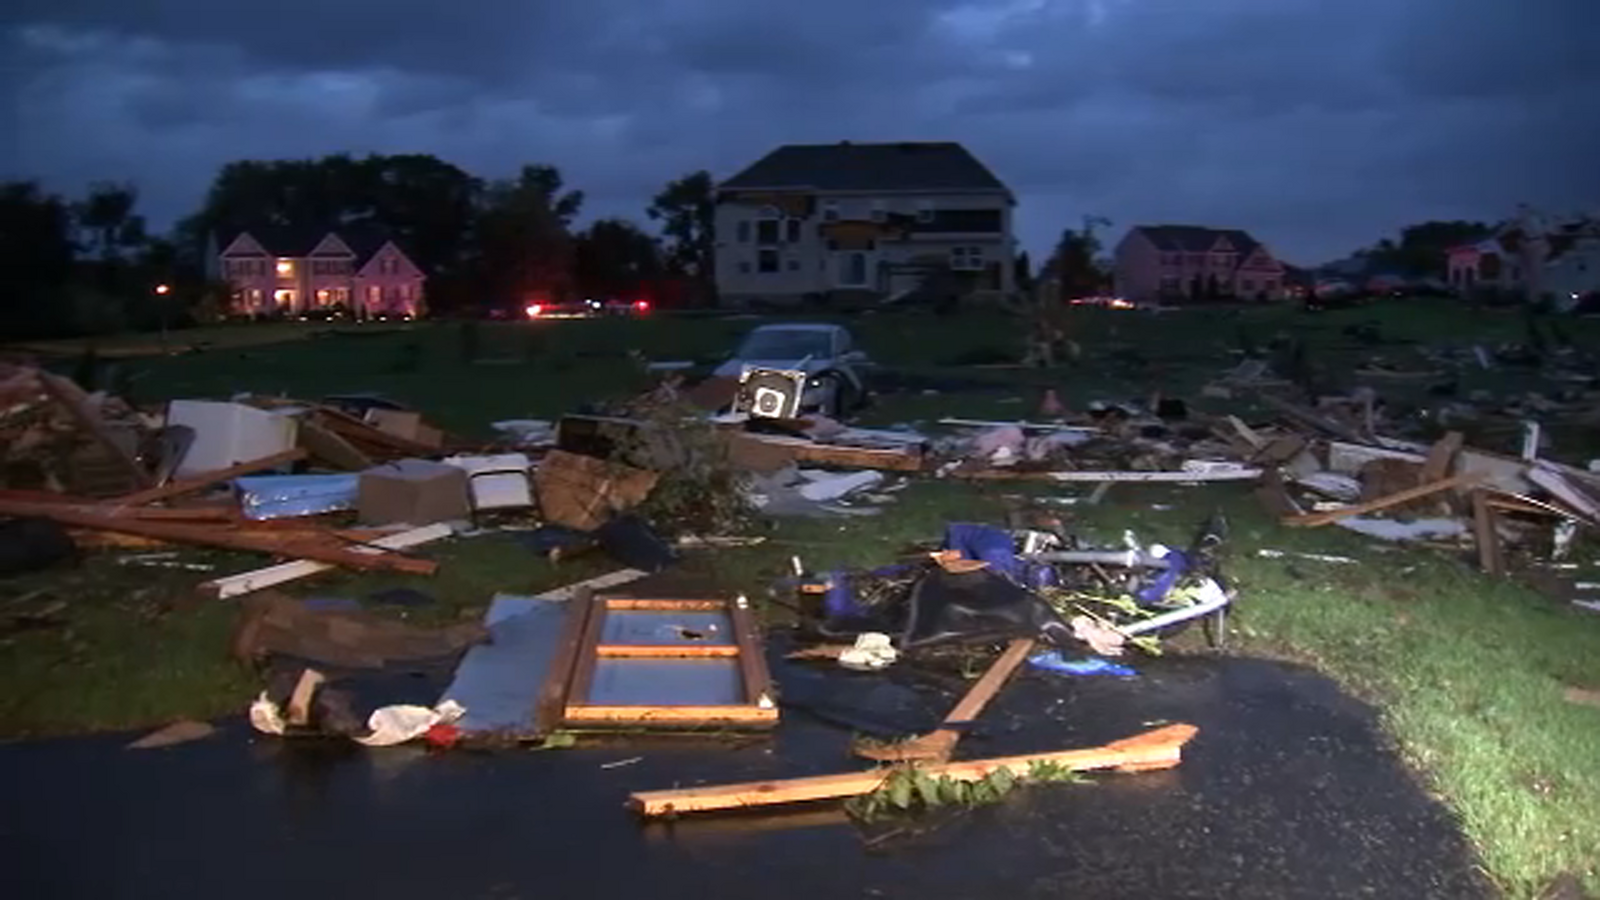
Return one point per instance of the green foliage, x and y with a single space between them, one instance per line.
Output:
686 209
912 789
614 259
699 491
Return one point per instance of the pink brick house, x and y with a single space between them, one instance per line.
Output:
1187 262
280 272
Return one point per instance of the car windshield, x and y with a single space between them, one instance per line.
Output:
785 343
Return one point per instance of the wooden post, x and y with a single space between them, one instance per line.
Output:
1487 537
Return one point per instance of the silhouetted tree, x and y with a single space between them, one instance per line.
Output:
613 257
686 209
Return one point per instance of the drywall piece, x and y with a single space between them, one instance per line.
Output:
226 434
1394 530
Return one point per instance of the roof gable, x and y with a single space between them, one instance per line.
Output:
387 249
243 244
1198 239
846 166
332 245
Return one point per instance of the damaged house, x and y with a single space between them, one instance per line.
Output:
853 222
1556 262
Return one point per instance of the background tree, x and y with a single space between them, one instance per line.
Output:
1076 264
687 210
614 258
1423 249
1022 273
106 221
36 243
524 248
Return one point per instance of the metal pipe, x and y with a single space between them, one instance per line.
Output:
1212 599
1128 558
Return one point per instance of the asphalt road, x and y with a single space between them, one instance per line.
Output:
1287 792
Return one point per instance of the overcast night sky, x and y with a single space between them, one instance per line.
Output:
1319 125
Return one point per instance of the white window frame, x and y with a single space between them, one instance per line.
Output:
967 258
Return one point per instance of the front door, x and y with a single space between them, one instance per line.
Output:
852 269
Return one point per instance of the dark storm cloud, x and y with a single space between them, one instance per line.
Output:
1318 125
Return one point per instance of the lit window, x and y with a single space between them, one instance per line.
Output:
285 267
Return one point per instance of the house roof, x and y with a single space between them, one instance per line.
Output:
364 239
1196 238
848 166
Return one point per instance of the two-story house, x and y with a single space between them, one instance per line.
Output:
277 271
1188 262
807 222
1554 261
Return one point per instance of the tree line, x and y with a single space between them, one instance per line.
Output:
91 265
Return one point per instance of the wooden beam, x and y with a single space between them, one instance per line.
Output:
649 604
1440 456
1248 474
72 398
645 716
201 482
245 582
1562 490
666 651
939 744
551 703
1486 536
1160 748
752 654
1310 520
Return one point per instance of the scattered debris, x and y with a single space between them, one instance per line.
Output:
179 732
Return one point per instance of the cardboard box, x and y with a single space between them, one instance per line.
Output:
583 492
414 492
405 424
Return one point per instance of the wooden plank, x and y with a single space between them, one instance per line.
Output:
806 450
1248 474
1440 456
246 582
1160 748
1246 433
551 704
938 744
220 537
682 716
1486 536
353 429
201 482
1310 520
73 400
648 603
663 651
583 668
330 448
752 654
1312 418
1557 485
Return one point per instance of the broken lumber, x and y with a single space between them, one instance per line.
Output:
1558 486
1312 418
1244 474
1486 535
246 582
212 536
1160 748
1311 520
201 482
938 744
1440 456
73 400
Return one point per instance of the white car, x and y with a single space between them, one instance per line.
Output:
826 353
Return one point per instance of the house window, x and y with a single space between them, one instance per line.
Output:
1196 259
767 261
966 258
1169 284
743 232
830 211
255 296
285 267
1269 286
880 211
791 228
767 231
794 264
374 295
924 212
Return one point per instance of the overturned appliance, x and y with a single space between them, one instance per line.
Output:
770 393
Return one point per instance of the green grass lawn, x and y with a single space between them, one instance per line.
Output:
1468 672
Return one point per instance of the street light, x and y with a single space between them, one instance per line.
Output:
163 289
